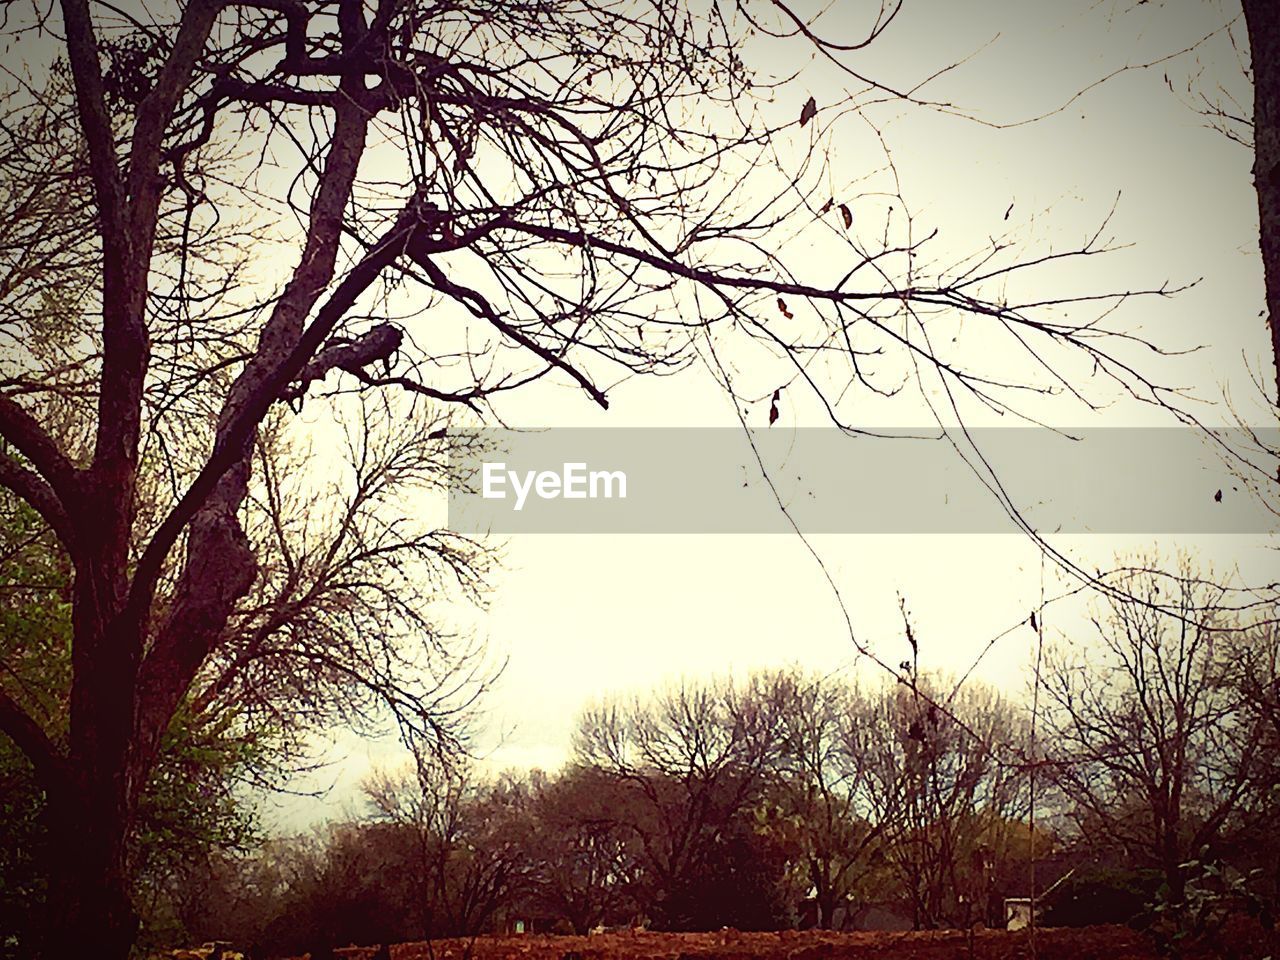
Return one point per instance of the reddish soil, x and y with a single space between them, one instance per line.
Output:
1089 943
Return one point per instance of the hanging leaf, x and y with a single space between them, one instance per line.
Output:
826 207
1033 621
773 406
808 112
782 308
848 217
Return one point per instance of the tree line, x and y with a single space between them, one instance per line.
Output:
1144 787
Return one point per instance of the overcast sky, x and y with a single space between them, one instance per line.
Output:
578 617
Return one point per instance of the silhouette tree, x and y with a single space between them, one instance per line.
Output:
824 777
688 763
1156 745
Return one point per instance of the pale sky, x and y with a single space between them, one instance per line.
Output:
578 617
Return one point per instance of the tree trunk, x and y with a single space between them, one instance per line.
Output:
1176 880
1171 861
1262 18
826 908
89 910
90 813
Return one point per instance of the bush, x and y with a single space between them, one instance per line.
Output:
1100 896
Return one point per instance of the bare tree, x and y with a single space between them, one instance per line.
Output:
1151 744
1253 674
585 858
692 759
950 788
522 186
823 775
338 627
466 834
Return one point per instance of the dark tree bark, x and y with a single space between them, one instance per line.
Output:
89 909
1262 18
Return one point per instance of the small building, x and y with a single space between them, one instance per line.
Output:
1017 913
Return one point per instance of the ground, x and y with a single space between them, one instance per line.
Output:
1089 943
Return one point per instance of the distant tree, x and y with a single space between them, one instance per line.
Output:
241 897
949 783
692 760
339 884
822 778
741 882
465 836
1253 675
1100 895
1152 743
584 855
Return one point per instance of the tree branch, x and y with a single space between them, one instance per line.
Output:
30 439
154 113
178 650
30 738
379 343
40 495
82 52
482 308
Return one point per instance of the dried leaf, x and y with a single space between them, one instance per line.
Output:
773 406
848 217
809 111
782 308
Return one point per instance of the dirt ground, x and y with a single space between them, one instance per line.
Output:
1089 943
